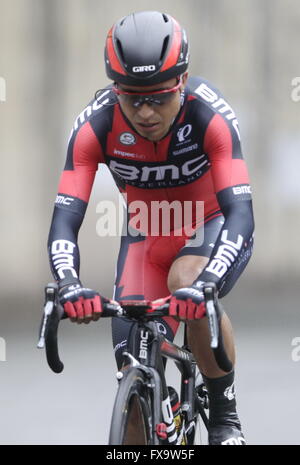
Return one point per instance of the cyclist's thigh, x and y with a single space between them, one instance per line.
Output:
203 241
193 254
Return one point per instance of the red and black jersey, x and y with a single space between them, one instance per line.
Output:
200 159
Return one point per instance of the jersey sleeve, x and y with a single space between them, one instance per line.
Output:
231 183
75 185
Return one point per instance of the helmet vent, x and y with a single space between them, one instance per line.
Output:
164 47
120 49
166 19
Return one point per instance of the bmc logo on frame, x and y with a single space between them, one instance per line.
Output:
2 350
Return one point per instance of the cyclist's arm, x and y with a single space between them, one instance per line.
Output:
231 183
84 154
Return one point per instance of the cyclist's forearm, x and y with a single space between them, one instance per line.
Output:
62 241
234 243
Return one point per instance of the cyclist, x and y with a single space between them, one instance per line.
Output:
165 137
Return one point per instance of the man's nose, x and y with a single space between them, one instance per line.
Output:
146 111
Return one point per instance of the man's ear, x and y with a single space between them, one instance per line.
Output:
184 79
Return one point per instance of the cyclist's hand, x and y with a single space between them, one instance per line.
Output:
81 304
160 302
187 304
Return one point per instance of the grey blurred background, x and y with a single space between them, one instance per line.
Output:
51 58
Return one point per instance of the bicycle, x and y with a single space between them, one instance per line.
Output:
143 392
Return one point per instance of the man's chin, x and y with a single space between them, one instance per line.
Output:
154 136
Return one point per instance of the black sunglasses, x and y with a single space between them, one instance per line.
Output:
137 99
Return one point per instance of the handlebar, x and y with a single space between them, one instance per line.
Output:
53 313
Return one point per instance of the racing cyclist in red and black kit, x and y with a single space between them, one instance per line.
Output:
164 137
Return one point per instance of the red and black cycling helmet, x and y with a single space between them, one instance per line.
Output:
146 48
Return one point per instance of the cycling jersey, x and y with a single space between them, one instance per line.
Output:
200 159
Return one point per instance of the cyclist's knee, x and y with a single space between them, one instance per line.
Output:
185 270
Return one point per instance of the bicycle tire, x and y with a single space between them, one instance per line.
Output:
132 394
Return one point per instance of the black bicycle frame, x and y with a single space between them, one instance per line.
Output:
150 348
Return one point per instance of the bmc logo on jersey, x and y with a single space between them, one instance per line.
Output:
143 69
226 255
219 104
151 173
90 109
238 190
62 200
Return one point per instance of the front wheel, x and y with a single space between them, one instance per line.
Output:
131 422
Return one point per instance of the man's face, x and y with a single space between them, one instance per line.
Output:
150 120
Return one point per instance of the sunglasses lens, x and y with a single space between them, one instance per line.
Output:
157 98
139 100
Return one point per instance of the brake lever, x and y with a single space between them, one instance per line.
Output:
214 318
209 290
50 295
53 313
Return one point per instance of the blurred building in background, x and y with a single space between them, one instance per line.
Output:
51 58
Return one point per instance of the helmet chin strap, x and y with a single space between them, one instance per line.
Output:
182 97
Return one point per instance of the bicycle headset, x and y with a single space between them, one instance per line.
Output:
146 48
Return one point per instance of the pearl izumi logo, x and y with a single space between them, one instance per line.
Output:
184 132
126 138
